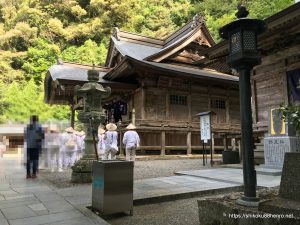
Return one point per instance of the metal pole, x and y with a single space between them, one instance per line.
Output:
203 154
249 173
211 155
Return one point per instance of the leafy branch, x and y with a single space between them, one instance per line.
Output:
291 114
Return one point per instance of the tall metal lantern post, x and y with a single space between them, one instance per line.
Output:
91 116
243 56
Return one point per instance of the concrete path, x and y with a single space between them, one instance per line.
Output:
35 201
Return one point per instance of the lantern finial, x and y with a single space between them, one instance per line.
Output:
242 11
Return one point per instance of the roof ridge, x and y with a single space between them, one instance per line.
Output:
118 34
196 21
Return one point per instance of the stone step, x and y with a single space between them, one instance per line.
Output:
258 155
259 144
259 149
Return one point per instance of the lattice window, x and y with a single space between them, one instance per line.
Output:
218 104
178 100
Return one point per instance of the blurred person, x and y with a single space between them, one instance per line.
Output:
80 136
2 146
52 144
131 140
111 142
43 156
101 143
68 147
34 136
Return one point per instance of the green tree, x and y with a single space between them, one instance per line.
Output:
89 53
22 101
39 58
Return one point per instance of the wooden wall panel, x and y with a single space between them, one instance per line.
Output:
150 139
155 104
270 90
234 109
199 104
138 104
199 89
176 139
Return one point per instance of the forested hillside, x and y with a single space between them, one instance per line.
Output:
35 33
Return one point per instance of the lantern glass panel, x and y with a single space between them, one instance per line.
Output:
236 42
249 40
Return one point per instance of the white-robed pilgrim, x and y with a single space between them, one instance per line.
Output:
111 141
69 147
131 140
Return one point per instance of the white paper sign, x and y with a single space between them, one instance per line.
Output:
205 127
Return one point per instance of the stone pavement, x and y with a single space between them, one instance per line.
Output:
230 175
35 201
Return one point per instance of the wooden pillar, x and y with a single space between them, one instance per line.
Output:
225 142
72 116
133 116
122 153
143 101
189 99
189 142
163 143
213 143
253 101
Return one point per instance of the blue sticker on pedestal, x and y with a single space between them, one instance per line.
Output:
98 182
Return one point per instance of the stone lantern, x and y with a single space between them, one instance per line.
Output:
243 56
91 116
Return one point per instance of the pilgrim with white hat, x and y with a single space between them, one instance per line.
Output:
101 142
111 142
69 147
131 140
52 144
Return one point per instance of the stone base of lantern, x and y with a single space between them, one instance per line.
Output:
82 170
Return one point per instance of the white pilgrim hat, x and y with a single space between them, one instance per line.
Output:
111 127
131 127
53 127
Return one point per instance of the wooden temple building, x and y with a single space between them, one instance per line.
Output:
159 84
163 84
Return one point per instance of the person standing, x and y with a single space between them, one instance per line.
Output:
111 142
68 147
52 143
131 140
34 136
